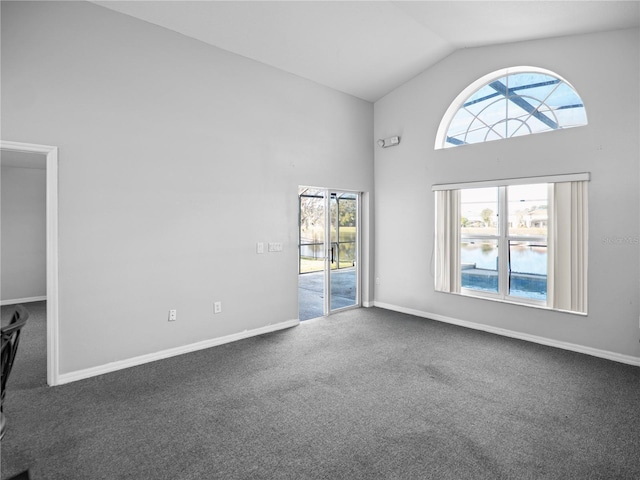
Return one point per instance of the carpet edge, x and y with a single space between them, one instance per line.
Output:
594 352
171 352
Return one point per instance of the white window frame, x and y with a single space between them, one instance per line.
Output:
566 278
504 242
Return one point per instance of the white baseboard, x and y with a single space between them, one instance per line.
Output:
16 301
616 357
172 352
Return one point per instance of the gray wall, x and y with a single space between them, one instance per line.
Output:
604 68
175 158
23 253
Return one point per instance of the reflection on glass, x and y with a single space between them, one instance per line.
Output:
343 229
479 265
343 249
347 254
528 270
479 211
528 210
312 221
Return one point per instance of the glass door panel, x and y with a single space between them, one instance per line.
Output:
312 254
312 230
344 250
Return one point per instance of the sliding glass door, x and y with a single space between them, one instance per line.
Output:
328 251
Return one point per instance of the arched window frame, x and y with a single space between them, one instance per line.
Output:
460 100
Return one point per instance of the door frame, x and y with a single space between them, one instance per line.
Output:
327 246
51 154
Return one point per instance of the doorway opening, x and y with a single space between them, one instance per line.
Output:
26 152
328 260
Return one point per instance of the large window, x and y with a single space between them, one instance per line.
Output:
521 241
510 103
511 220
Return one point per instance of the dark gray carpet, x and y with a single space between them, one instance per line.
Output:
32 359
364 394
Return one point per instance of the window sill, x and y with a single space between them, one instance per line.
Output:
497 299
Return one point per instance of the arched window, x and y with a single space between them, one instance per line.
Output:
509 103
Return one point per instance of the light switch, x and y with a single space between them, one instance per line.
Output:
260 247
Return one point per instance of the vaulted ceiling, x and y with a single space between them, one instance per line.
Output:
368 48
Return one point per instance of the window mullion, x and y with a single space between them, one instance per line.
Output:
503 243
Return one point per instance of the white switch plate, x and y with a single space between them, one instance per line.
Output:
217 307
173 315
260 247
275 247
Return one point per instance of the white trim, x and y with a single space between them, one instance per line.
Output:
523 302
52 248
569 177
16 301
364 253
171 352
595 352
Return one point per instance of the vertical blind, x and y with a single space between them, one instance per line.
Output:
447 247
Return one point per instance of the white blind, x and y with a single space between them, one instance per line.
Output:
567 289
447 266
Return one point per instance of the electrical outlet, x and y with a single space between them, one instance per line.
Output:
173 315
217 307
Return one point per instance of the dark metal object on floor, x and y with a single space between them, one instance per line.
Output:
10 341
21 476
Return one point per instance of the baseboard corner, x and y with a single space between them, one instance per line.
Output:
171 352
16 301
